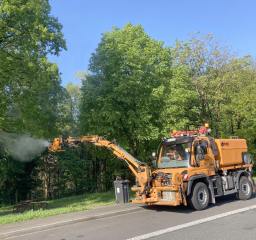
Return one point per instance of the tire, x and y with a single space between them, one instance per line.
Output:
200 196
245 189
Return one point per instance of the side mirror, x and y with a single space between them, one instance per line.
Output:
247 158
199 153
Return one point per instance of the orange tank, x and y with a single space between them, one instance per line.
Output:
231 151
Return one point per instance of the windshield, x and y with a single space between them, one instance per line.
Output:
175 155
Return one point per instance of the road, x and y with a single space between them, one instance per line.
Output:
225 220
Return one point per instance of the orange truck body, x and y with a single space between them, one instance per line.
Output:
220 173
230 152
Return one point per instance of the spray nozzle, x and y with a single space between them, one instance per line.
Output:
56 145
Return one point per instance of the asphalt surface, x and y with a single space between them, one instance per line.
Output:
145 220
241 226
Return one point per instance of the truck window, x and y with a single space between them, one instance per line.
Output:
175 155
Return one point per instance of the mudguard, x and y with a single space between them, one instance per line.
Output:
207 180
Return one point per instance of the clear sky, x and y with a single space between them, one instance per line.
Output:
233 22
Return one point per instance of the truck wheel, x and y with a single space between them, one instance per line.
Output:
199 198
245 189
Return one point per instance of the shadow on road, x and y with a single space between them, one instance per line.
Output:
220 201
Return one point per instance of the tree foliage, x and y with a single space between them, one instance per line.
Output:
30 91
29 84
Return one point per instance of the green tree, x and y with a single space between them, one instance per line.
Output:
30 89
27 34
122 95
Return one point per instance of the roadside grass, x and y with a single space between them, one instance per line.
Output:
59 206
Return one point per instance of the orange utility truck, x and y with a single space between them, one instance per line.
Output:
190 168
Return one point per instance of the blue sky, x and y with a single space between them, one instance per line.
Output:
232 22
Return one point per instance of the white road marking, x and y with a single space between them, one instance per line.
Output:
58 227
59 224
190 224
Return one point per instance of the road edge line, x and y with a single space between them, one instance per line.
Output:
190 224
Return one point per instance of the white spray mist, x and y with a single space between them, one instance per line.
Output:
22 147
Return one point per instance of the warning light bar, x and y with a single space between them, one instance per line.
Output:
184 133
204 130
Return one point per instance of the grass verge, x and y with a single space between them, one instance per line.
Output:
59 206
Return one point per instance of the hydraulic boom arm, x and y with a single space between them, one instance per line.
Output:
139 169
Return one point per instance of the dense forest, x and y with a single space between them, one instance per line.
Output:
136 90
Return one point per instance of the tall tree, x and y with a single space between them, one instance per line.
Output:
30 89
27 34
224 83
121 97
